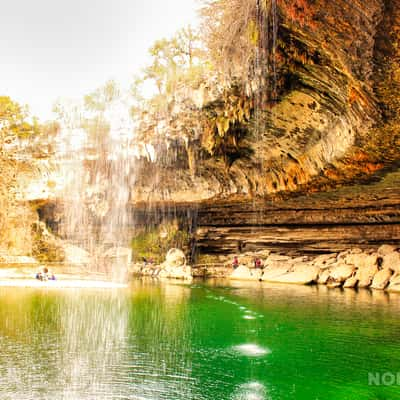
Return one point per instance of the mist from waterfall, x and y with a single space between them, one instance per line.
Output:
97 162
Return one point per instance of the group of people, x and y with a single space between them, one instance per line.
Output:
45 275
257 262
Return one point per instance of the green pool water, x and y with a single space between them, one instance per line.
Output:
211 341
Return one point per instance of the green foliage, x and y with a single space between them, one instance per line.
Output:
154 243
175 61
14 123
102 97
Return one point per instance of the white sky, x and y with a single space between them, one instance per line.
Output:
67 48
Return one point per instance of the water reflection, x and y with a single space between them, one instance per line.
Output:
209 341
51 341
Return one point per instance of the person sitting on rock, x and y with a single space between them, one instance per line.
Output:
45 275
235 262
257 263
42 275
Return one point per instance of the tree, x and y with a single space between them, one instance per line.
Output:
14 122
240 35
103 96
175 60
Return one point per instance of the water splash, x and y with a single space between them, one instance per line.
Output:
251 350
251 391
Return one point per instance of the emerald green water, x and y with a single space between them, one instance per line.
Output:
202 341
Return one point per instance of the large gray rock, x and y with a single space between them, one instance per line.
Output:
174 266
175 258
382 279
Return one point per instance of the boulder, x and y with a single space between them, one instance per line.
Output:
382 279
178 272
175 258
392 261
324 276
386 249
341 272
324 260
301 273
361 260
351 282
273 271
244 273
394 285
365 275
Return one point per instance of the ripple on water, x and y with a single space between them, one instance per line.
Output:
252 350
250 391
249 317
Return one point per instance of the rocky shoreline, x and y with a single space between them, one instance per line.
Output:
354 268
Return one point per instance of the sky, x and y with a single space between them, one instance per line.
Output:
52 49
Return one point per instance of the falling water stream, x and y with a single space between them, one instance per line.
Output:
98 167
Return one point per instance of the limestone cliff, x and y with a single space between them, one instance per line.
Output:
306 169
303 158
333 119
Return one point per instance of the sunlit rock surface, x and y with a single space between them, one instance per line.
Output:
314 171
332 121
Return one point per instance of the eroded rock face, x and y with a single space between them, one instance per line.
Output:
331 91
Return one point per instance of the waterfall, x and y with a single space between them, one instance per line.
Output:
274 17
265 64
96 160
